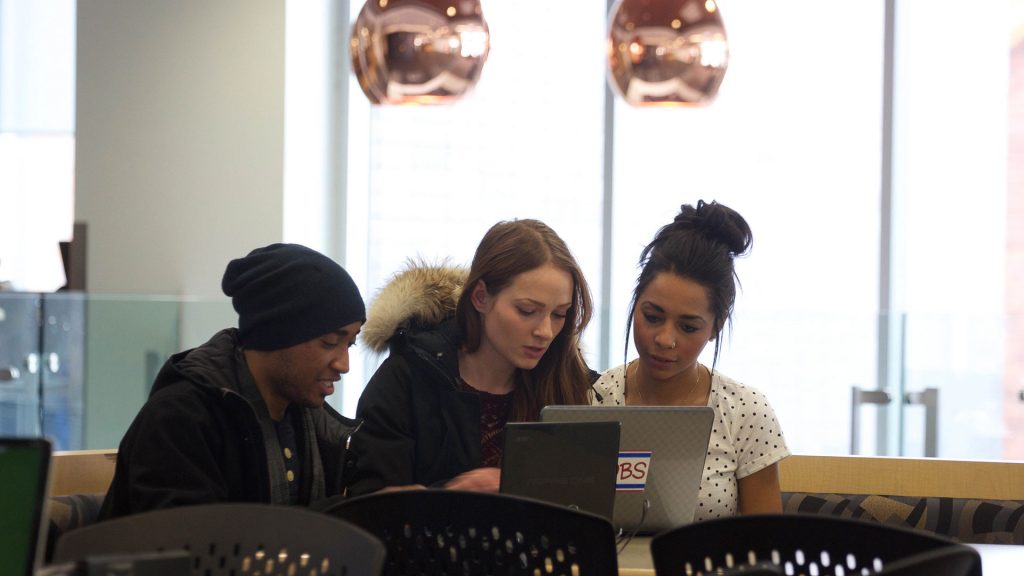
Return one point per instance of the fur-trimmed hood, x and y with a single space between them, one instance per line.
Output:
419 296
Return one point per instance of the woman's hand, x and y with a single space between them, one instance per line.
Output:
477 480
400 488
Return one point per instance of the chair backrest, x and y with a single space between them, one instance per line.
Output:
235 539
799 543
946 561
429 532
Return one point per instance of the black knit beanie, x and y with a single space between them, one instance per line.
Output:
286 294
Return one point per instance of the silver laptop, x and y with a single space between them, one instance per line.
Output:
661 460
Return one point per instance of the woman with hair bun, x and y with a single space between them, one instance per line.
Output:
683 298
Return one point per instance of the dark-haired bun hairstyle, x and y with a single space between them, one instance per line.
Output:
718 223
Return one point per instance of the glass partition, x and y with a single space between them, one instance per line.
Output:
77 368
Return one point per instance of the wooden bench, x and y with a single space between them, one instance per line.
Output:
79 481
969 501
82 471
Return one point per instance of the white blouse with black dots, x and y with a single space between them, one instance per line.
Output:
745 438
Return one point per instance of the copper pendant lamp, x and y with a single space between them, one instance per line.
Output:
666 52
418 51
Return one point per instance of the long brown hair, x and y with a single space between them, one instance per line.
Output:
507 250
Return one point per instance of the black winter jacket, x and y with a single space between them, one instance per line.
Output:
204 436
419 427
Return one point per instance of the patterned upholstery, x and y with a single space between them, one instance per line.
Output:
962 519
69 512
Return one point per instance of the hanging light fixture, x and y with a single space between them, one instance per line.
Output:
666 52
418 51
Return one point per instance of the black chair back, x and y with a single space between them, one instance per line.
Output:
235 539
803 543
956 560
431 532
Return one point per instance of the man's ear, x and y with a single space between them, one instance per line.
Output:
479 297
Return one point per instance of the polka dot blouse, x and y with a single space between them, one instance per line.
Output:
745 438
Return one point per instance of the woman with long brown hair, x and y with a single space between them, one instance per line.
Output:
470 352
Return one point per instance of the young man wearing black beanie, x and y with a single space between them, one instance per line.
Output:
242 418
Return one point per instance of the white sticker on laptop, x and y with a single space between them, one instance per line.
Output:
633 471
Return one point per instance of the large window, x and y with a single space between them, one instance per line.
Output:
869 145
792 143
527 143
861 218
951 131
37 116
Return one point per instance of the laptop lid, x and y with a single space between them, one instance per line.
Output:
661 460
24 476
568 463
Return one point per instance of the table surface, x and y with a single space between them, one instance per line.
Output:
996 559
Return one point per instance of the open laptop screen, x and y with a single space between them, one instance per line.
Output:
567 463
24 471
661 460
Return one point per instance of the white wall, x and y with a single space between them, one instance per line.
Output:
180 139
179 168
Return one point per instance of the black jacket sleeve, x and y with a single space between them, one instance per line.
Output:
172 455
386 445
334 432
